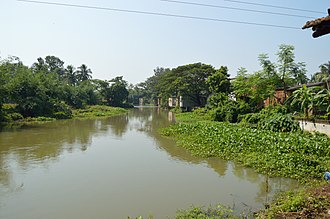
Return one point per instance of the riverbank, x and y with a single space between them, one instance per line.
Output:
298 155
85 113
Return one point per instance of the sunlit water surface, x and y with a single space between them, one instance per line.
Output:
114 168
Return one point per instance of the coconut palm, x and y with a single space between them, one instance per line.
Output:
323 74
71 74
84 73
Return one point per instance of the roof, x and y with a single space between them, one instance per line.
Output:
307 85
296 87
320 26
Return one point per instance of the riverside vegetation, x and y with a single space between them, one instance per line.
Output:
48 90
295 154
234 125
15 119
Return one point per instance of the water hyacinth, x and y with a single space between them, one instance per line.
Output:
296 155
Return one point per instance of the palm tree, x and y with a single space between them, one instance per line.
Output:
71 74
324 74
84 73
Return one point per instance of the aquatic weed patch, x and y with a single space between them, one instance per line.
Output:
296 155
98 111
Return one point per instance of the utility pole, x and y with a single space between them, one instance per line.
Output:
320 26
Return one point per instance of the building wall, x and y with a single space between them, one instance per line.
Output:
172 102
312 127
278 98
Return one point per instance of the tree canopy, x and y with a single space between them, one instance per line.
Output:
48 89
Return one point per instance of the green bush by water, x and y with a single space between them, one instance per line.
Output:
296 155
197 212
98 111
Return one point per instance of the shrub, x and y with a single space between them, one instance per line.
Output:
9 108
272 118
279 123
2 116
229 111
61 111
14 117
62 115
251 118
217 212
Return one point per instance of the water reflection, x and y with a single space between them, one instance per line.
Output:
267 186
42 145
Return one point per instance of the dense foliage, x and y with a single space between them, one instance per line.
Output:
303 203
212 212
98 111
217 212
48 89
297 155
228 98
323 74
272 118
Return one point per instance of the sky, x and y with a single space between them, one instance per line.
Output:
117 43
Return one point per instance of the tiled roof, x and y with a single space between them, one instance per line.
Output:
320 26
307 85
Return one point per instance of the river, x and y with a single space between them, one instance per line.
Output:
112 168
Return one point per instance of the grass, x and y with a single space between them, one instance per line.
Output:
200 212
311 202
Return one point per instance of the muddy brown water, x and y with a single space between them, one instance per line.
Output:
115 168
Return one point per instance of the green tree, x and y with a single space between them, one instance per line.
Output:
87 94
46 88
254 88
219 86
240 87
6 72
70 75
219 81
323 74
40 66
26 91
257 87
166 86
155 86
299 73
118 92
269 69
84 73
55 65
140 91
37 94
288 71
190 81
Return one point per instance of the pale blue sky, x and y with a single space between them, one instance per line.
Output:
132 45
